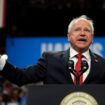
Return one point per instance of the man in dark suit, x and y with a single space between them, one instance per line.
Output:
53 68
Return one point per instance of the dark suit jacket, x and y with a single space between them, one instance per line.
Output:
52 68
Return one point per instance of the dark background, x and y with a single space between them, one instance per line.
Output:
51 17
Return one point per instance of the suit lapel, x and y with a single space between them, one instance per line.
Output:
66 70
93 69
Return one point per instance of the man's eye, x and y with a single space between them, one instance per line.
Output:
87 30
77 29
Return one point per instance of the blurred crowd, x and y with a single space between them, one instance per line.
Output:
11 94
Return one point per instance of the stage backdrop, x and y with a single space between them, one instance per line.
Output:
24 51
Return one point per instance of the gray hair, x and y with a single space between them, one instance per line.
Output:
84 17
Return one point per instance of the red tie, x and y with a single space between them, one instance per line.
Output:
78 68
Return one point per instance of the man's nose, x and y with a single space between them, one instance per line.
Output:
82 33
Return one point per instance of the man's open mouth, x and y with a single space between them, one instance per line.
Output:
82 39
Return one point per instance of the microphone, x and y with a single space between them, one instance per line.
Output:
84 67
71 67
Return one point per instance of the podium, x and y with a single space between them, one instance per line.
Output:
54 94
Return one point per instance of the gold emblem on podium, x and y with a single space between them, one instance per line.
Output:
79 98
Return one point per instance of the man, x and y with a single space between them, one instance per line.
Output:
53 68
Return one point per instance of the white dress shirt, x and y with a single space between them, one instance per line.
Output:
86 57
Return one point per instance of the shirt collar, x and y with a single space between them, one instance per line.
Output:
74 52
87 55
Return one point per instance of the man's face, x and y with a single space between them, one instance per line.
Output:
80 35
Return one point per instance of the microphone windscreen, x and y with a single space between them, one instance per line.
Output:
71 64
85 65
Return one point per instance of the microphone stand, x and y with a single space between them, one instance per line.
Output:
84 68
